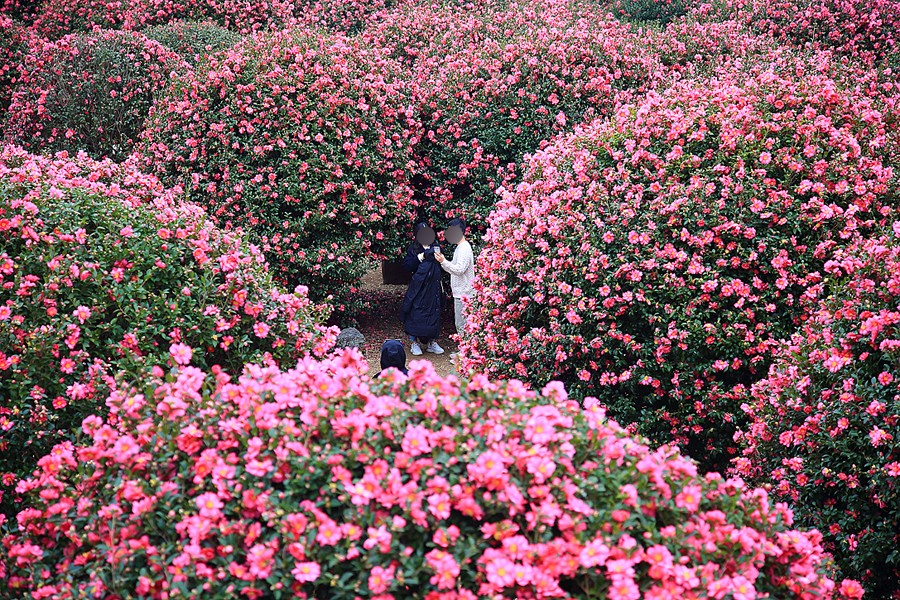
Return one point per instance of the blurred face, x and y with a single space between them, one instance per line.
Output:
425 236
454 234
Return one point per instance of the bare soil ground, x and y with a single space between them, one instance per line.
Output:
382 322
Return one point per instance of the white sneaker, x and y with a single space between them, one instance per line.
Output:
434 348
416 349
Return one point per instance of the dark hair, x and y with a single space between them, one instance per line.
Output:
458 222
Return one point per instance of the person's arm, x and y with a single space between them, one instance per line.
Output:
462 260
411 262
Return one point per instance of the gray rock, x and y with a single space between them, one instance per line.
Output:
350 338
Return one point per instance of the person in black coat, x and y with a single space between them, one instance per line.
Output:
393 355
421 308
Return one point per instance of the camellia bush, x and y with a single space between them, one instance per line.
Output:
321 483
349 16
304 141
656 259
868 30
193 40
661 11
89 92
825 423
105 270
14 40
60 17
522 75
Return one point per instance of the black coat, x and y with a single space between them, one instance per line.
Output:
421 308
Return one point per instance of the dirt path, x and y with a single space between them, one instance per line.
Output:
382 322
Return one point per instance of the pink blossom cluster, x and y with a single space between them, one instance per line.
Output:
56 18
304 141
491 85
103 269
655 259
88 91
825 423
321 482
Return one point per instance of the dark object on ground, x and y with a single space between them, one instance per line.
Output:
393 273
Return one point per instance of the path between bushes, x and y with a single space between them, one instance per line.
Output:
382 322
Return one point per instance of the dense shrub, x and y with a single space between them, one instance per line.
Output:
341 15
826 421
321 483
90 92
690 47
24 10
530 72
59 17
868 30
104 270
654 260
193 40
661 11
415 33
14 40
300 139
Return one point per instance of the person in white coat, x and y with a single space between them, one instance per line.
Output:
461 269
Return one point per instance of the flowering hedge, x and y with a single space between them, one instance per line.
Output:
301 140
826 421
193 40
90 92
865 29
14 40
104 270
655 259
23 10
342 15
318 482
59 17
526 73
662 11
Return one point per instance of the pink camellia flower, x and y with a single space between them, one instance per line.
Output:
306 572
689 498
878 436
261 330
851 589
210 505
82 313
416 441
181 353
125 447
501 572
380 579
439 506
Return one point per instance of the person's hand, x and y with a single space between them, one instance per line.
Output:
439 257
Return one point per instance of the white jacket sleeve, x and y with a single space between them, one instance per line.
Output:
462 261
